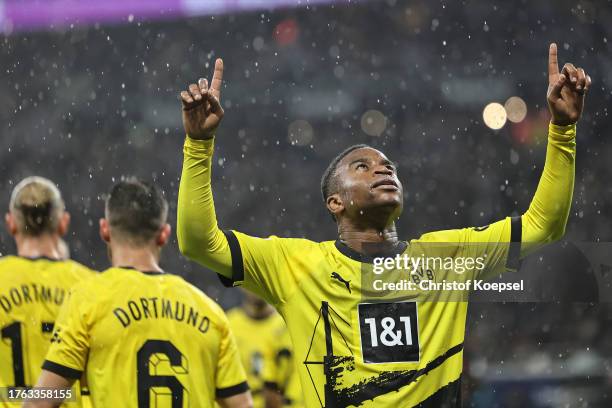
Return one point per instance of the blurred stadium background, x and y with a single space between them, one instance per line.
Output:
89 94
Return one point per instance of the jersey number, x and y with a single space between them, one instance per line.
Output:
12 332
150 355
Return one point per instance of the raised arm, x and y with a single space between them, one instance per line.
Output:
199 237
546 218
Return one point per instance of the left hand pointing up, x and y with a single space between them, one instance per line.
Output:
566 90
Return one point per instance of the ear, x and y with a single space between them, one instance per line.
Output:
104 230
164 235
11 225
64 223
334 204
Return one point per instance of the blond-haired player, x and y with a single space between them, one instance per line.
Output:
35 282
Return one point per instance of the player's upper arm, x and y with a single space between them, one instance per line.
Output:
270 267
67 355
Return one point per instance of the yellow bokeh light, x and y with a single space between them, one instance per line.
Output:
494 115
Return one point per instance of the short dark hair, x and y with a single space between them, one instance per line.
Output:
136 209
329 181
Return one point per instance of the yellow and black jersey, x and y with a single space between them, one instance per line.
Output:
146 339
254 338
355 346
280 370
31 293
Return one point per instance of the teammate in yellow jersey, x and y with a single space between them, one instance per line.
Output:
143 338
354 348
281 381
257 327
35 283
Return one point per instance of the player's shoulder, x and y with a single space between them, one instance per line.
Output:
460 235
191 292
64 268
449 235
8 260
91 282
9 265
291 243
78 268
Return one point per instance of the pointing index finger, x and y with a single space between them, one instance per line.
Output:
217 79
553 64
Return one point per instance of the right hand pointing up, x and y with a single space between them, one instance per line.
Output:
202 111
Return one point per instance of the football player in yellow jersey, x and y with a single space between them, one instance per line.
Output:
281 382
143 338
357 349
35 283
257 327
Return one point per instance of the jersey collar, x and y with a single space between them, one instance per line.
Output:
39 257
359 257
145 272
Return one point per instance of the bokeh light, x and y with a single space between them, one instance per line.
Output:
373 123
286 32
516 109
300 133
494 115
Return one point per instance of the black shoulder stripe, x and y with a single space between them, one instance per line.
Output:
231 391
516 236
516 231
237 263
62 370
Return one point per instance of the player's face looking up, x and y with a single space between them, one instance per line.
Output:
367 186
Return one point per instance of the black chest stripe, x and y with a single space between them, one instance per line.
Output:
384 383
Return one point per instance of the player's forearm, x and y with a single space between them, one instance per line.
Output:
546 218
40 404
199 237
49 381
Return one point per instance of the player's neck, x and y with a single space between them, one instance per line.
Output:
36 247
144 259
368 241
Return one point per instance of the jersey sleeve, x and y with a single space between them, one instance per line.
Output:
546 218
67 355
490 249
271 267
230 378
497 244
